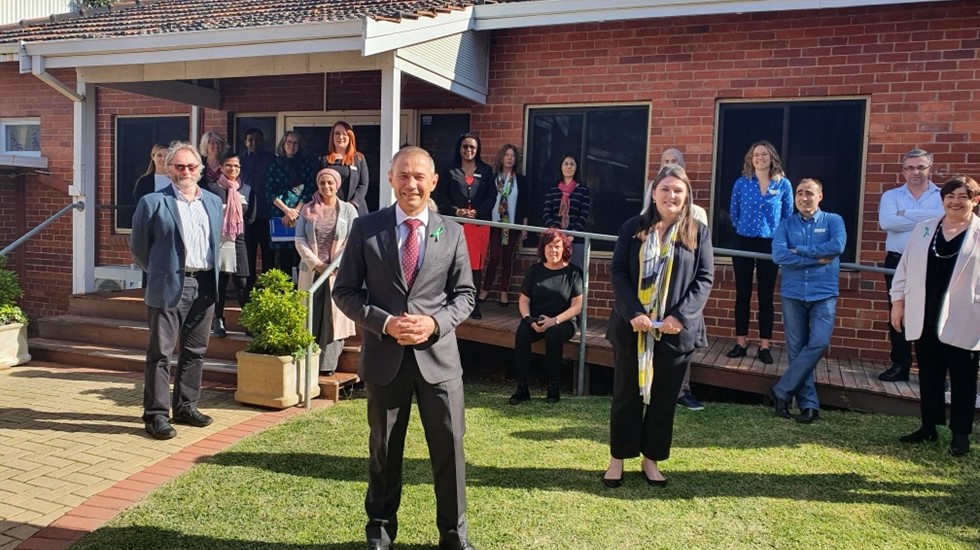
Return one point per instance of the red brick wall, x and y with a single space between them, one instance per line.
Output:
918 65
44 262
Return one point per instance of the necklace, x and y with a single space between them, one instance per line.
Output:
935 237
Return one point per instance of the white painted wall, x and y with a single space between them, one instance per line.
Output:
12 11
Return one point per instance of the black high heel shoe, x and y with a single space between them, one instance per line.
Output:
612 483
921 435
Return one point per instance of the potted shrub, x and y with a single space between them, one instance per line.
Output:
272 369
13 322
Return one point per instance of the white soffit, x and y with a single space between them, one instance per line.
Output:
458 63
200 45
562 12
383 36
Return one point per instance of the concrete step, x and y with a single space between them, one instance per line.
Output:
102 356
126 333
129 305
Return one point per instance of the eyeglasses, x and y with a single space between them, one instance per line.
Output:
468 147
922 168
182 167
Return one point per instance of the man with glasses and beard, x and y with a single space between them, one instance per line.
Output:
175 240
898 213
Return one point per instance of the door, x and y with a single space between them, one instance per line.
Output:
314 131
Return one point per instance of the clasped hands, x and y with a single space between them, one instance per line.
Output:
544 324
290 216
411 330
644 323
466 213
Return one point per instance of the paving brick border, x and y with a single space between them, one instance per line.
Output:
100 508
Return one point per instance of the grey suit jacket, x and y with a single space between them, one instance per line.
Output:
370 287
157 244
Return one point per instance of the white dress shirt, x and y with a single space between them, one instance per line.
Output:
929 205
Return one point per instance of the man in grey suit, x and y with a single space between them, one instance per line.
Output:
405 279
175 240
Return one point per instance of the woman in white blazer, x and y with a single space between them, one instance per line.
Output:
321 234
936 296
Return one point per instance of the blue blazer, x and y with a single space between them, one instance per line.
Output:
157 244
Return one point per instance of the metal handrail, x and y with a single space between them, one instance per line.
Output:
589 237
80 206
317 283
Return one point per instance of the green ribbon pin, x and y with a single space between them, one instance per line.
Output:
438 232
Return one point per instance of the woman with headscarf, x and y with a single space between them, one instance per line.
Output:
343 156
321 235
466 190
289 185
238 199
662 270
936 298
567 205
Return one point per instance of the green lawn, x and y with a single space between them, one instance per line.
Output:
739 478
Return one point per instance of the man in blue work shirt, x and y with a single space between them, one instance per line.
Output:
807 246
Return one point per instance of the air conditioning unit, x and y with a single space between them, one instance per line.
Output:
113 278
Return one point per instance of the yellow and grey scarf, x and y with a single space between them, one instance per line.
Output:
656 265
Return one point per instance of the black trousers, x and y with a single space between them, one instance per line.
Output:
935 358
901 348
633 428
257 239
441 410
241 285
189 323
766 271
554 338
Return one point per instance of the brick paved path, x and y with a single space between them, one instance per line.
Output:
73 452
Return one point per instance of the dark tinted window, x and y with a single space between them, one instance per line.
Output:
135 138
610 144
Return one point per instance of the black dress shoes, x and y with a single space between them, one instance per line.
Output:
612 483
780 405
192 417
218 328
655 482
765 355
476 314
521 394
807 415
160 428
960 445
738 351
921 435
897 373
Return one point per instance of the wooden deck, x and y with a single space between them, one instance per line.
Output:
842 381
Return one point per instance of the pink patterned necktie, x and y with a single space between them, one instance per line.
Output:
410 251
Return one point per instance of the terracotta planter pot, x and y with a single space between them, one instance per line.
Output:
13 345
273 381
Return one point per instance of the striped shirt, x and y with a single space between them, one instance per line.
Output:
578 208
196 229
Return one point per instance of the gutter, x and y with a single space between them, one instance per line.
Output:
35 66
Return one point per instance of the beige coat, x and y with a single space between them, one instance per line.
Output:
306 246
959 315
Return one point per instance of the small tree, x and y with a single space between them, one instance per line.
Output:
276 316
10 292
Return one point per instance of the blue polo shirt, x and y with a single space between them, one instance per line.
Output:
798 246
757 214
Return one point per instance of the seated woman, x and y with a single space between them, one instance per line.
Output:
549 304
941 266
239 211
321 234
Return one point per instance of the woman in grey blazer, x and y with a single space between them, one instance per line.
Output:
662 271
321 235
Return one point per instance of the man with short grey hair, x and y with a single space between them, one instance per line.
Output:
898 213
175 240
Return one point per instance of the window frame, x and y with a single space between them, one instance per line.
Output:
19 121
585 107
776 101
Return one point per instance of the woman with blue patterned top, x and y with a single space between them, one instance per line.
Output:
290 184
761 199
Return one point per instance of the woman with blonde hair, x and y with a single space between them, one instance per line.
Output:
213 147
155 178
662 270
